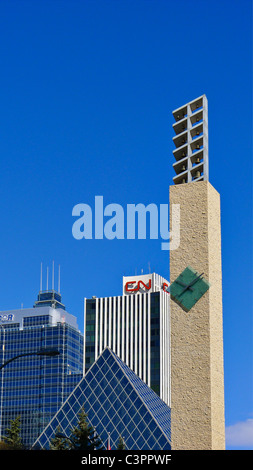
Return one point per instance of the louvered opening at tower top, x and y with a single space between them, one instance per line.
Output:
191 142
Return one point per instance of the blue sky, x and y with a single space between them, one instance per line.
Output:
87 92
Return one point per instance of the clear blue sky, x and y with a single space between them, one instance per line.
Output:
87 89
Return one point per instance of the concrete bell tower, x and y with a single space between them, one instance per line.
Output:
197 378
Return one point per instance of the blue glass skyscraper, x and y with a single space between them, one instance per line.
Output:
35 387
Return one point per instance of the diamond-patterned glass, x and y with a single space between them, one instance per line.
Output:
144 422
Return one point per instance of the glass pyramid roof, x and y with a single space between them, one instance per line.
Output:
118 402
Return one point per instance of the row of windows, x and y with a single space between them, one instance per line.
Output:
28 391
5 326
58 376
24 345
24 402
48 331
36 320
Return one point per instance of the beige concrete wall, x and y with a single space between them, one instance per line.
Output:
197 389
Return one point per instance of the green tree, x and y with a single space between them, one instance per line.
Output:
83 436
121 444
58 442
12 438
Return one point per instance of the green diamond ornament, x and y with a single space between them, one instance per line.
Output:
188 288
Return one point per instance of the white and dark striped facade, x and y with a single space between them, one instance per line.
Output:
136 326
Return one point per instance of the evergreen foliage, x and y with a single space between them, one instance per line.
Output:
12 438
83 436
58 442
121 444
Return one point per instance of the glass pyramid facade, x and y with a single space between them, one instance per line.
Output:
118 402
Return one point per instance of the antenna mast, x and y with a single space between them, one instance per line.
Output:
59 279
53 275
40 277
47 278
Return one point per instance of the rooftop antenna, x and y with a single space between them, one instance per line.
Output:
41 277
53 275
149 270
59 278
47 278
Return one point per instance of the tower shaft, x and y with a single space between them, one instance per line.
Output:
197 388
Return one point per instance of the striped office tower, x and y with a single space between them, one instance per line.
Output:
136 326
